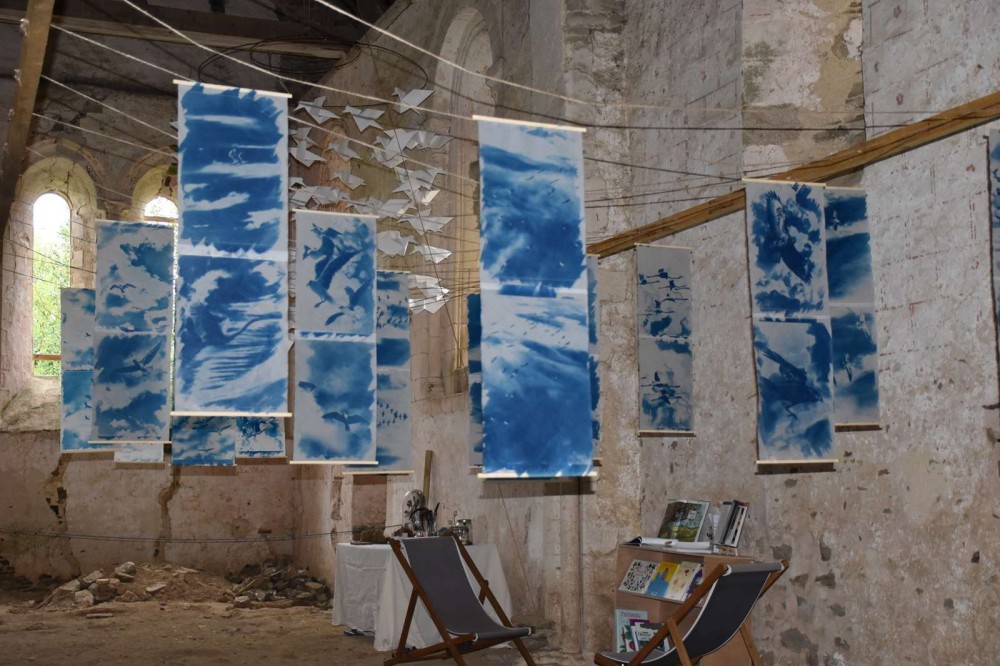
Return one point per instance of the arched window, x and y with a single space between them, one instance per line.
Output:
50 272
160 208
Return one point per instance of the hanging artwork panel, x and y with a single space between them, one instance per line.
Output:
77 378
206 441
537 413
138 453
475 333
795 402
663 313
787 249
232 297
393 424
994 168
259 437
335 348
593 339
132 332
852 308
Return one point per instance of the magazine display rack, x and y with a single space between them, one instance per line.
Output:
658 609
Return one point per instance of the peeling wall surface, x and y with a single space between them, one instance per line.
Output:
893 554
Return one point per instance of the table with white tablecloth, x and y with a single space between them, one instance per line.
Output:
371 592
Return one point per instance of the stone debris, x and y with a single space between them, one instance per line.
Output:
157 587
276 584
125 572
99 616
84 598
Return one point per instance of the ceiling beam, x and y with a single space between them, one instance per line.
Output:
898 141
218 31
36 38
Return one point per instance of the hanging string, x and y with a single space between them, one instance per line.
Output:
102 134
109 107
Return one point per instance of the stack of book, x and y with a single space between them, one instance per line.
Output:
672 581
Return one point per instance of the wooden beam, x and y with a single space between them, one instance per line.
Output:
898 141
160 34
33 45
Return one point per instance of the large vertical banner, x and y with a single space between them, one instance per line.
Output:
232 295
536 364
663 314
791 322
77 348
593 348
393 424
852 308
132 337
335 378
473 303
994 168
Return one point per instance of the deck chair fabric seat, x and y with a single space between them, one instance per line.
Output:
730 593
434 566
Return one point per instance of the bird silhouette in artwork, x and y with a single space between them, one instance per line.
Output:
326 269
209 325
791 385
140 365
122 287
664 391
347 421
334 317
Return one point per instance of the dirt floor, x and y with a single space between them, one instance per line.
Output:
190 621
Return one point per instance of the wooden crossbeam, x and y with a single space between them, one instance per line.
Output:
898 141
211 39
36 39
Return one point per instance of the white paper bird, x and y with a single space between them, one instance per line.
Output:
412 99
343 148
390 208
353 182
428 139
431 253
302 154
301 135
316 109
426 223
393 243
364 118
295 181
416 178
388 158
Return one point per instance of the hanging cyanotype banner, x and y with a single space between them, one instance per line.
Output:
260 437
335 405
994 168
393 424
208 441
791 323
593 340
232 297
132 334
536 364
473 304
852 308
77 378
663 313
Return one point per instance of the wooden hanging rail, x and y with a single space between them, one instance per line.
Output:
898 141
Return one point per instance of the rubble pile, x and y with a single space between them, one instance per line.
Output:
99 587
277 584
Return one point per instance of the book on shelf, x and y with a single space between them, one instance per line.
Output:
638 576
643 632
683 519
681 582
660 582
623 628
733 519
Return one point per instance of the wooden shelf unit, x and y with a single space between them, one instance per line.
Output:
659 609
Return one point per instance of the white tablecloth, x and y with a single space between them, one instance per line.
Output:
371 593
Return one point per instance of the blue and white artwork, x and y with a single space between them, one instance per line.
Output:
131 381
475 331
394 398
76 425
335 403
231 349
593 339
204 441
663 291
848 246
138 453
666 384
787 249
855 364
259 437
537 416
135 276
795 401
336 272
77 328
233 168
995 216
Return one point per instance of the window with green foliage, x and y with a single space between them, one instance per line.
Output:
50 260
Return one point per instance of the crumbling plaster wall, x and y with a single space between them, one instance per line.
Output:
900 538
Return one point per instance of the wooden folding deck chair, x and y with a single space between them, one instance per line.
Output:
434 567
730 592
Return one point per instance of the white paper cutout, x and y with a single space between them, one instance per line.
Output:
432 253
412 99
343 148
364 118
316 109
393 243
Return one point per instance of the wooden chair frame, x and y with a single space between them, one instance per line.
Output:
453 646
671 628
